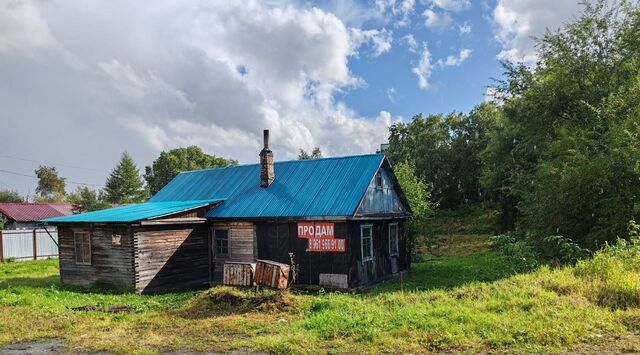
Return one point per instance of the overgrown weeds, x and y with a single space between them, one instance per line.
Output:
471 303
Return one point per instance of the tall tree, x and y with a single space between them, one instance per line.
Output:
566 158
169 164
315 154
445 150
417 193
50 185
10 196
85 199
124 184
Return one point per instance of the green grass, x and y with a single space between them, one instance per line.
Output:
471 302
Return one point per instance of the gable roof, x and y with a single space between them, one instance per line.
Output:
133 213
302 188
33 211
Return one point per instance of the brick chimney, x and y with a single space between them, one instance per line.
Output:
267 174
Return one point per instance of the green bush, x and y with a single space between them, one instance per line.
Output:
562 250
522 255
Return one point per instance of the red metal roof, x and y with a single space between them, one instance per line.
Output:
33 211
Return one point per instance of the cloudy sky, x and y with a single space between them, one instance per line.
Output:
83 81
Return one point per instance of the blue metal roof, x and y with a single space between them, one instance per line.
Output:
302 188
133 213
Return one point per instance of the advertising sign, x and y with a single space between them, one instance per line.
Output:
323 230
323 245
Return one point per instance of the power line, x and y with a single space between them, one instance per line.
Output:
50 163
35 177
7 185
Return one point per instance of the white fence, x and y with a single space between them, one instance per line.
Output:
28 244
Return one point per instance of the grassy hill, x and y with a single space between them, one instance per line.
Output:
474 302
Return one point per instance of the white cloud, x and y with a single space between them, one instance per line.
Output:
380 40
451 60
397 12
493 95
411 42
437 20
391 94
424 68
167 75
23 29
465 28
517 21
451 5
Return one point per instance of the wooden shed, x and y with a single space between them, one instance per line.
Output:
342 220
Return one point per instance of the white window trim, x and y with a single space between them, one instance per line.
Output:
75 248
362 227
397 252
215 248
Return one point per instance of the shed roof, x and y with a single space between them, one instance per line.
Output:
133 213
302 188
33 211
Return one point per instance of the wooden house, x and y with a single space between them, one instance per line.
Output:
340 218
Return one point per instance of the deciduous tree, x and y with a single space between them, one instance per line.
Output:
50 185
170 164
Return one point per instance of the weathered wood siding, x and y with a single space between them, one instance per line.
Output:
171 257
382 265
111 266
381 199
242 246
277 240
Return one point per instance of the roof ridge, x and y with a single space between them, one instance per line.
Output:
285 162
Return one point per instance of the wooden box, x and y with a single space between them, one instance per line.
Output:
238 273
272 274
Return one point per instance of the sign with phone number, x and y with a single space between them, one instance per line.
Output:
327 245
321 237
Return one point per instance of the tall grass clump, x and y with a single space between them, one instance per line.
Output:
614 272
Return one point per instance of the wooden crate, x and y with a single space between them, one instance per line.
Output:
238 273
271 274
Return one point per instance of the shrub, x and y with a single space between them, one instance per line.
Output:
562 250
522 255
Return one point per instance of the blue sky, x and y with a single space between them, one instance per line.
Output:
81 82
457 88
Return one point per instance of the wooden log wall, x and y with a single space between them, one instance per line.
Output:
171 257
242 246
382 266
111 265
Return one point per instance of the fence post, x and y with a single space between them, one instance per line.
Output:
35 244
1 247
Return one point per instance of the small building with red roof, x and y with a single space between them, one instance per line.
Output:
25 215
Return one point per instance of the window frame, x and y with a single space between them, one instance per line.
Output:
75 247
215 244
397 239
379 181
362 237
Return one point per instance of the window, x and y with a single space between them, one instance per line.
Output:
82 244
366 241
379 180
393 239
221 242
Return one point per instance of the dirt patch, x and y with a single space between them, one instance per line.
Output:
53 346
225 300
628 343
